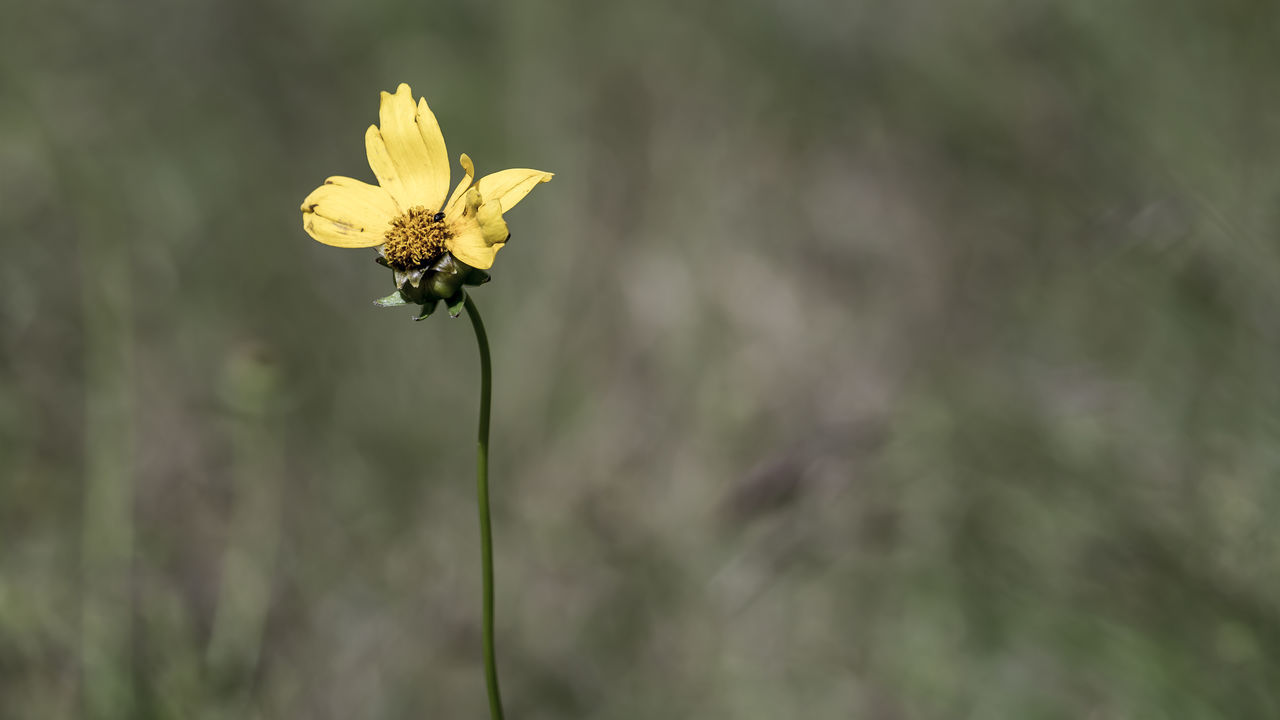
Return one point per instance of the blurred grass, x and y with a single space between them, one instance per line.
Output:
868 359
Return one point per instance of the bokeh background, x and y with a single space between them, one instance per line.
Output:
865 359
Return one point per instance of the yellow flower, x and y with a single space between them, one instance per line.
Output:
406 214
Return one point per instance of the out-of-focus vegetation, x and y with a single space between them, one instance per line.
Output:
871 359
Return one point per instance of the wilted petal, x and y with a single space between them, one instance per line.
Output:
479 231
470 246
491 223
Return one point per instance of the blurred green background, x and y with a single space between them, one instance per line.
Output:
865 359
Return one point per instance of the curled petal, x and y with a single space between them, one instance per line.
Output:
464 206
407 151
491 223
479 231
470 246
508 187
470 172
348 213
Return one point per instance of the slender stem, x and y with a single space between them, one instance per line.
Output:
482 493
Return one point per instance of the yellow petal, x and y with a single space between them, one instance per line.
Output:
463 184
491 223
479 231
464 206
509 187
348 213
407 151
469 245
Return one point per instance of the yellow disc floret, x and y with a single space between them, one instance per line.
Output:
415 238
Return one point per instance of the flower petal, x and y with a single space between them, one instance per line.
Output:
464 183
469 245
491 223
479 231
348 213
509 187
462 206
407 151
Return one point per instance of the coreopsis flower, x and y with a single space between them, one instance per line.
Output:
433 240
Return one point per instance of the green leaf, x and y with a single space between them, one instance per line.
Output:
392 300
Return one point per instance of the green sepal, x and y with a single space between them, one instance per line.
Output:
395 299
447 275
426 285
428 308
412 286
456 303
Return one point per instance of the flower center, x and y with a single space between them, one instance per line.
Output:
416 238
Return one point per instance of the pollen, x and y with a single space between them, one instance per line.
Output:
416 238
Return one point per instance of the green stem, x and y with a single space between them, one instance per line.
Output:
482 493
